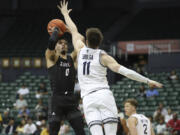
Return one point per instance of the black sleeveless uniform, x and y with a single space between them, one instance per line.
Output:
62 102
62 79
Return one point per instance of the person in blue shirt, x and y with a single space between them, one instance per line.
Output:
152 92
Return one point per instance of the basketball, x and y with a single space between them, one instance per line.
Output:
56 23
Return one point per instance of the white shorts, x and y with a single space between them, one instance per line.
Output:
100 108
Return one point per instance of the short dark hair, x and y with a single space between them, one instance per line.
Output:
94 37
132 101
60 39
66 36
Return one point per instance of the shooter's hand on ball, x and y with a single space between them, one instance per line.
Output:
51 29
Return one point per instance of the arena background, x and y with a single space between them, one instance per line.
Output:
143 35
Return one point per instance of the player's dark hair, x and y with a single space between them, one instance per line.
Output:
132 101
94 37
60 39
66 36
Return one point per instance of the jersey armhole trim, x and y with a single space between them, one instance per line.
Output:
78 54
100 60
54 63
136 120
70 58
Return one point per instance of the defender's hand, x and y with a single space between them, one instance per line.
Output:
154 83
63 7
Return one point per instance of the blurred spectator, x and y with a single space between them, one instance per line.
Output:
38 125
120 113
16 133
152 122
140 70
152 92
161 127
39 106
158 115
140 67
163 109
11 128
64 129
141 92
20 127
24 112
6 118
1 123
21 102
43 123
41 91
168 116
173 75
0 77
40 110
30 127
45 131
174 125
23 90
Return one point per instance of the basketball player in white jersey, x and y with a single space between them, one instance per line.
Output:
98 101
138 124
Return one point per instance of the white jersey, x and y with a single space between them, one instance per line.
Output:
143 124
91 74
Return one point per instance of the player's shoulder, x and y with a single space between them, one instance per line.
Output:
137 116
69 57
143 116
83 48
140 115
132 121
132 118
102 52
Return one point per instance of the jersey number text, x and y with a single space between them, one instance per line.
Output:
86 66
145 129
67 72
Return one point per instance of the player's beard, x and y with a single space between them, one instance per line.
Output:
63 52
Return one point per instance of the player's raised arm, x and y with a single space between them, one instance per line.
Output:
50 51
77 38
112 64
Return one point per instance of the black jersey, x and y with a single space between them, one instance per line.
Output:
62 77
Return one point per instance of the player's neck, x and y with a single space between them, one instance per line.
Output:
91 47
63 56
133 113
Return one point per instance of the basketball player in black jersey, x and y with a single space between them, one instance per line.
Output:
61 71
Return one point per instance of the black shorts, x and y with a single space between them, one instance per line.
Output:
62 107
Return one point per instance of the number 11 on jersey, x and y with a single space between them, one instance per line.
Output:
86 67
